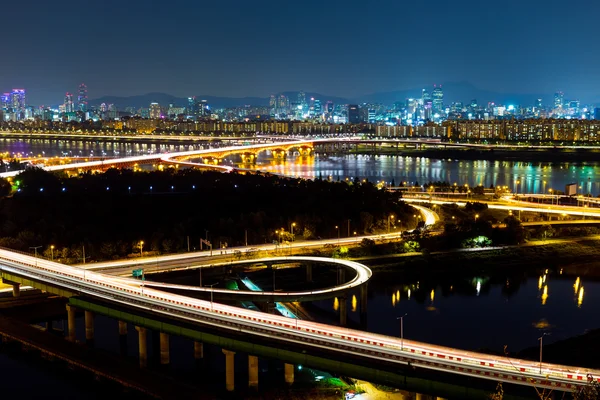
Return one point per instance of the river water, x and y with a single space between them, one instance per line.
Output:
470 312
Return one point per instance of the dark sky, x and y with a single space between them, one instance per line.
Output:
254 48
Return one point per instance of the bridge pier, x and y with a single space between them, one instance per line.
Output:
364 290
16 289
341 275
70 323
143 346
308 272
164 348
343 313
122 328
89 327
289 374
229 370
253 372
198 350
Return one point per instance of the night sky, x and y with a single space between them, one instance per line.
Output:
255 48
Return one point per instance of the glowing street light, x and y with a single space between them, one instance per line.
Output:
141 248
52 252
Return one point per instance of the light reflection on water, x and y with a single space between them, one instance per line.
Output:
478 313
532 177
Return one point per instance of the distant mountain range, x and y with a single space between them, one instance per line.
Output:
453 91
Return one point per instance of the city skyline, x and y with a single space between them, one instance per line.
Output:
348 49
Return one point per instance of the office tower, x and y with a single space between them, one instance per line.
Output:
371 115
558 100
353 114
597 113
425 96
538 103
17 103
191 106
302 99
82 98
154 110
69 107
318 108
438 99
204 108
283 104
5 101
273 104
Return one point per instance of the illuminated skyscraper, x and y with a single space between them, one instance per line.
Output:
82 98
154 111
558 100
204 109
302 99
69 106
192 107
425 96
438 99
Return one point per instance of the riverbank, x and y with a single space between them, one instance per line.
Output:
574 256
551 154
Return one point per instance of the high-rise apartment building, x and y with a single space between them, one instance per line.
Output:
438 99
155 111
82 98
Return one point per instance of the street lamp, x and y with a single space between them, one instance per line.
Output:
141 248
401 318
551 197
35 250
337 228
52 252
476 216
541 339
292 230
211 294
392 218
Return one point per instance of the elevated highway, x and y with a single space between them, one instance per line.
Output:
367 348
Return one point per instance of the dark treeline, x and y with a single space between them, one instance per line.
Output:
111 213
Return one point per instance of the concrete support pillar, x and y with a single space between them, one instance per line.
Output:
143 346
198 350
164 348
253 372
341 275
309 273
289 373
89 326
70 323
122 328
16 289
229 370
343 313
364 289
